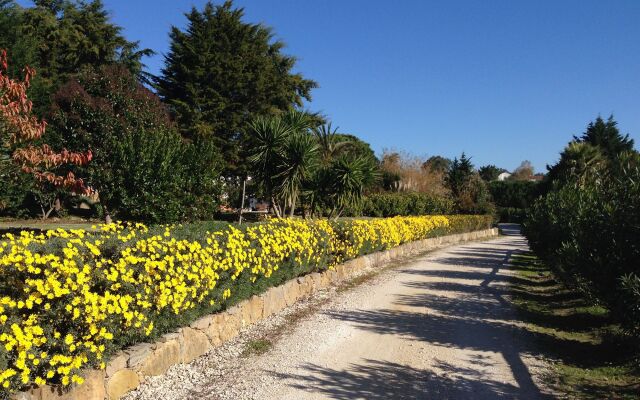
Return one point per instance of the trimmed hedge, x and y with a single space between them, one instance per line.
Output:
71 298
391 204
512 198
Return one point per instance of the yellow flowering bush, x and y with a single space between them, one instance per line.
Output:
68 298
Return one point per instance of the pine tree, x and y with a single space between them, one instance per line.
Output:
607 137
459 173
221 72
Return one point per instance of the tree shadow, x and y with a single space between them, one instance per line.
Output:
382 380
472 275
508 229
571 320
479 320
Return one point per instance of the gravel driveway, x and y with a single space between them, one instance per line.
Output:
435 327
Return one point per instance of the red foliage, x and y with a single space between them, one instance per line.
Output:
22 127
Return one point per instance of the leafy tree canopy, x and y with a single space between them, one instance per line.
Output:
490 172
589 154
142 168
524 171
60 37
437 164
221 72
357 147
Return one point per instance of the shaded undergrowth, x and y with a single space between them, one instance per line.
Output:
596 360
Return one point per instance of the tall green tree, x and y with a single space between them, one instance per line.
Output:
61 37
221 72
589 154
606 136
459 174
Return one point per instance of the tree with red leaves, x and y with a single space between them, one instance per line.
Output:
20 130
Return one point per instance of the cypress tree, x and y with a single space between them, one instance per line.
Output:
221 72
606 136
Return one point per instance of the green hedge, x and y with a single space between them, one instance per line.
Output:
391 204
589 230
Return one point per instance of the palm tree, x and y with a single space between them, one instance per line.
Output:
296 166
348 177
330 145
578 162
296 161
283 156
269 138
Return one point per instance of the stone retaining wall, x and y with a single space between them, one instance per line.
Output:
127 369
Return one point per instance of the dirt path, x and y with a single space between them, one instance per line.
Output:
437 326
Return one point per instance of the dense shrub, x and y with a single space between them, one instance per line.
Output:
390 204
589 229
142 168
69 298
514 194
511 214
14 194
513 197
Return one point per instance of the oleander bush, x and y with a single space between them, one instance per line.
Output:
68 299
587 225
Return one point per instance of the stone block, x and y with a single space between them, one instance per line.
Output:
213 331
237 313
341 273
117 362
273 301
305 284
31 394
330 277
193 344
392 253
291 292
202 324
47 392
138 354
164 355
316 279
93 387
121 382
230 326
253 309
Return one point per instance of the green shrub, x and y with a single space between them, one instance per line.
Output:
514 194
511 214
589 230
390 204
142 169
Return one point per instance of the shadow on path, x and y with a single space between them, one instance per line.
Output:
382 380
478 319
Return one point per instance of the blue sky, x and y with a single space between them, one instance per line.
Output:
502 80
